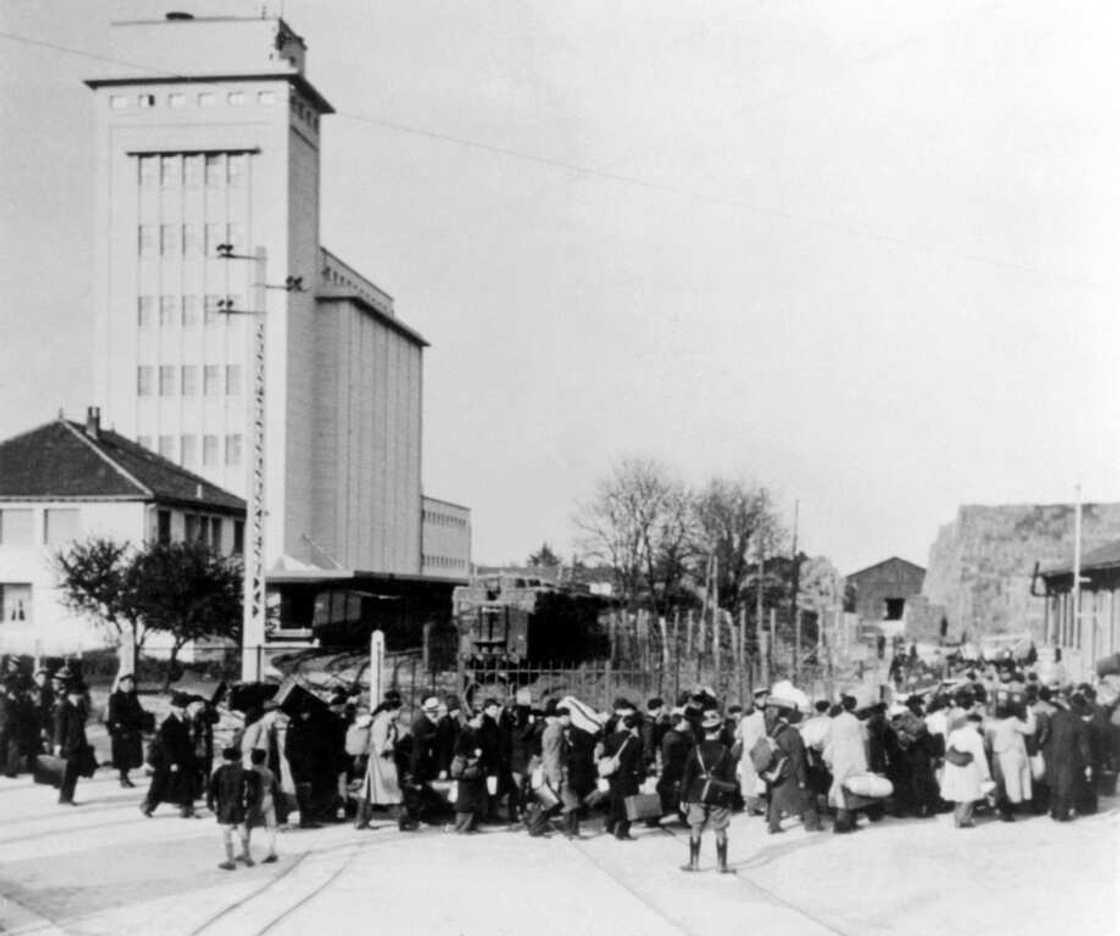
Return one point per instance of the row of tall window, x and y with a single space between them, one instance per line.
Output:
189 240
168 380
177 100
188 311
60 525
193 170
186 449
437 518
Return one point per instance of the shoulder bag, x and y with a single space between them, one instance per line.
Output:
608 766
714 792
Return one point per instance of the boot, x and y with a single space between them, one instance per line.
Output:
361 820
721 858
571 825
693 856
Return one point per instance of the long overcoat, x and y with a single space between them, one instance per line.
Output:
1012 769
381 785
962 784
845 753
125 720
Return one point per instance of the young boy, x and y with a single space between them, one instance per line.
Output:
263 810
232 789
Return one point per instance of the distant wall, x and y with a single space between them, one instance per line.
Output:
980 565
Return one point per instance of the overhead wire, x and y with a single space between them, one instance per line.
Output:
580 170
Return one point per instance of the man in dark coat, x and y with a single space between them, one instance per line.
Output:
125 721
625 745
676 744
788 787
42 698
174 762
70 740
421 803
1066 752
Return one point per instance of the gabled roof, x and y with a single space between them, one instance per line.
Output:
1103 557
878 565
60 460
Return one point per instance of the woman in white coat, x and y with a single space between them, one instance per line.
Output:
381 786
1007 734
964 784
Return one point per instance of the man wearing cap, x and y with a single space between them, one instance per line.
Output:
42 699
751 729
788 786
173 777
420 800
624 748
709 760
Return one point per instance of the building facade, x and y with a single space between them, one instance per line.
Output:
221 146
66 482
881 593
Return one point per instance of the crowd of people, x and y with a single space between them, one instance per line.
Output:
998 739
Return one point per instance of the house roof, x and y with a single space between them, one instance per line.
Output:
878 565
1103 557
61 460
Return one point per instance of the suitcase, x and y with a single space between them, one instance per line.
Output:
49 770
643 806
293 699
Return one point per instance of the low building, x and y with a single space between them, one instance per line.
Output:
1094 633
67 481
881 593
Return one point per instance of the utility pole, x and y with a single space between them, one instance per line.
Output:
254 606
1075 591
760 622
795 587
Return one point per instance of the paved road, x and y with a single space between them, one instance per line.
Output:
102 868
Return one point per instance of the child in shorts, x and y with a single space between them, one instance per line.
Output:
232 789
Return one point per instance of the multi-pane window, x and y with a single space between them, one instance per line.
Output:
210 451
190 380
215 235
207 99
149 170
192 241
192 527
191 314
163 527
144 378
188 451
147 240
170 170
237 166
166 381
215 169
168 311
192 170
233 380
15 602
61 525
233 449
169 240
211 308
167 447
16 525
146 311
216 534
236 98
212 380
176 101
239 536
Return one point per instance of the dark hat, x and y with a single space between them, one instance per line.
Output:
561 710
453 704
180 700
63 673
712 719
392 695
655 703
231 753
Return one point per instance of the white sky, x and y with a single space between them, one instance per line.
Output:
869 257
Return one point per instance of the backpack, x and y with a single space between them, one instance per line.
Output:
767 758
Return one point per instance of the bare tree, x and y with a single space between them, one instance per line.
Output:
732 518
639 522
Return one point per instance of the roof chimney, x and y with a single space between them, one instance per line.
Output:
93 422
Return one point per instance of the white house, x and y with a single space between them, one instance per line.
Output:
65 481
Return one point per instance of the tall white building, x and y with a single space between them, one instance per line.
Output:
211 136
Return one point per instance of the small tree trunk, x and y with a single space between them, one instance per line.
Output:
171 663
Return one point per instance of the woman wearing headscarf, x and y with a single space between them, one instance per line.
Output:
126 724
381 784
966 769
1007 734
